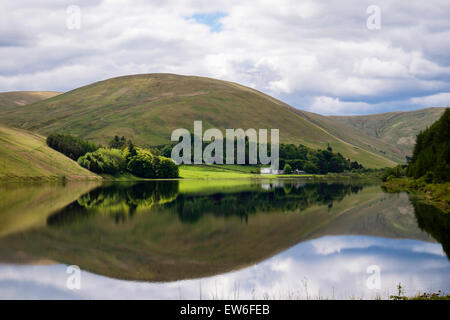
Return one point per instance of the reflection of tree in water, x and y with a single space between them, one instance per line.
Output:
286 198
435 222
121 201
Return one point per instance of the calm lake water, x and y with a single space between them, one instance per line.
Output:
237 239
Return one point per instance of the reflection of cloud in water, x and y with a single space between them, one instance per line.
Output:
332 266
329 244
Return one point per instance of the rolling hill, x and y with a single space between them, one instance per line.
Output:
26 156
148 107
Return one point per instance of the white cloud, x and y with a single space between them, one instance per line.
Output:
287 48
436 100
374 67
333 106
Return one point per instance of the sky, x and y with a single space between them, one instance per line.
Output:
329 57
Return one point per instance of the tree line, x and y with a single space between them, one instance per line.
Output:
70 146
314 161
431 155
120 156
298 157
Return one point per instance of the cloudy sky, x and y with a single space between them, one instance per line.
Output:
329 57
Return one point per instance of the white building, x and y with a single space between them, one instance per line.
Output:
271 171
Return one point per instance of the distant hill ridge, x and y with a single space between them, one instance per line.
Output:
21 98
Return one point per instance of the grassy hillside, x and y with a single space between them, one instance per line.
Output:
25 156
147 108
10 100
391 134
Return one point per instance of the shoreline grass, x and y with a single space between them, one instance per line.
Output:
197 172
437 194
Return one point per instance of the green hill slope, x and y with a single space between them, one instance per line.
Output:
391 134
9 100
147 108
25 155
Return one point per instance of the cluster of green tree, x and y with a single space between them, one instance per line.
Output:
166 149
395 172
300 157
118 143
431 155
138 161
70 146
104 160
121 156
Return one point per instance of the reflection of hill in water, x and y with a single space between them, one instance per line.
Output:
27 205
153 232
387 215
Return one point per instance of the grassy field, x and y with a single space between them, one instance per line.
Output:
233 172
213 172
219 173
147 108
229 172
24 156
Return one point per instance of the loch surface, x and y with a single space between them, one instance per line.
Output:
227 239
